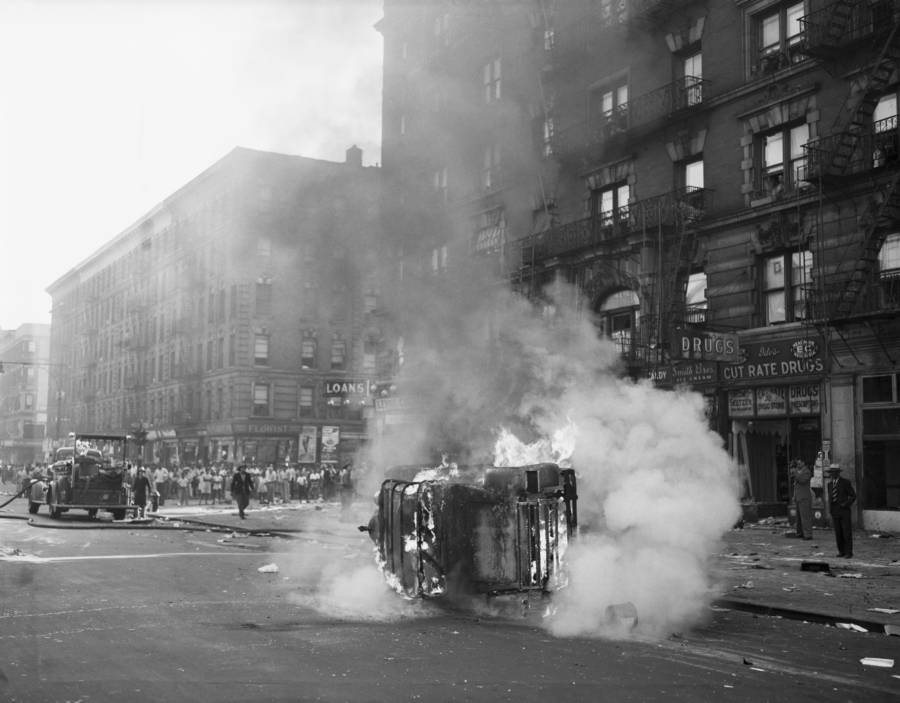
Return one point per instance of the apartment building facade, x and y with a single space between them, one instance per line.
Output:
716 180
236 321
24 374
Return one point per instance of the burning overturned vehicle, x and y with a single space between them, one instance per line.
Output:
465 531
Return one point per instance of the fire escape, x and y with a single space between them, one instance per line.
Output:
855 147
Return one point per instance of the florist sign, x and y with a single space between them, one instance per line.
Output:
781 359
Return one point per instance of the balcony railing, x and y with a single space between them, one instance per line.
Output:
839 25
847 153
642 112
681 207
880 295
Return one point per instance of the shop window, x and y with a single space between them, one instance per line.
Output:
548 134
779 37
786 278
880 477
260 399
370 355
261 350
439 183
306 401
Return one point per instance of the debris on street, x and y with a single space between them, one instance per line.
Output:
875 661
268 569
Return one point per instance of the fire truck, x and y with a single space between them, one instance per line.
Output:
477 530
90 473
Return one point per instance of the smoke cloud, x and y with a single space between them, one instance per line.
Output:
506 383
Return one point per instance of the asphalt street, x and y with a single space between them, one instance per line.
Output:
198 605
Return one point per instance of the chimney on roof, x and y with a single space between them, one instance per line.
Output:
354 156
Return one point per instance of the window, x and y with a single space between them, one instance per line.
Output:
780 37
261 350
439 259
260 399
884 127
491 81
695 299
549 131
692 182
306 401
263 297
439 182
264 247
370 353
402 126
879 487
370 302
783 160
308 353
490 172
617 319
234 301
785 279
232 349
442 30
610 204
338 354
692 73
609 107
889 270
549 39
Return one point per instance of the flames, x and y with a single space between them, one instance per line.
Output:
509 450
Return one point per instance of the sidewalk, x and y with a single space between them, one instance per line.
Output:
762 569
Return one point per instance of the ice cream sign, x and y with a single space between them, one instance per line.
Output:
782 359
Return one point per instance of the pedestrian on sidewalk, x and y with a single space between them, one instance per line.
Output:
802 475
840 497
142 489
241 488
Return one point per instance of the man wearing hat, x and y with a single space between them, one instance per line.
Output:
840 497
241 488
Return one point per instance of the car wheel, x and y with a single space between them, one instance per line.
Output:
118 514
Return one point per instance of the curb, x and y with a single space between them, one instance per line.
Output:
792 614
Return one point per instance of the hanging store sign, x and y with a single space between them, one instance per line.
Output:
781 359
707 346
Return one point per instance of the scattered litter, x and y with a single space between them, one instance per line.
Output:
879 535
892 630
850 626
747 662
268 569
875 661
749 584
888 611
756 668
788 588
622 614
817 566
850 576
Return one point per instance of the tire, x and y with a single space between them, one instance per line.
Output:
33 507
118 514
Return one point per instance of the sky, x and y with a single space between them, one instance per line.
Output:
109 106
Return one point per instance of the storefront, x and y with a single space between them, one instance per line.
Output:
878 485
773 401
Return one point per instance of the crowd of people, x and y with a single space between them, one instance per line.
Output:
211 485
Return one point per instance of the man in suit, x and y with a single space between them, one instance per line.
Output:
840 497
241 488
802 498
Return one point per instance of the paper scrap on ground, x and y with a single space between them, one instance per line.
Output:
268 569
875 661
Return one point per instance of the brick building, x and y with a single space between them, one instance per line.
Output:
237 320
718 181
24 373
